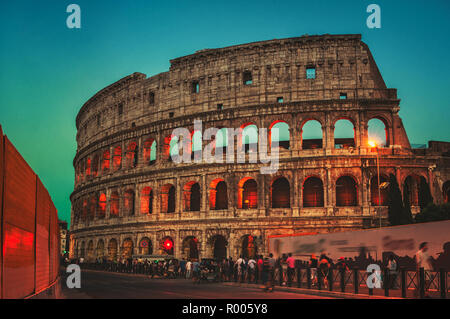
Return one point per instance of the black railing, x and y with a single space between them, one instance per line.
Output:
405 283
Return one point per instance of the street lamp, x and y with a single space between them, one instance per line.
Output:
373 144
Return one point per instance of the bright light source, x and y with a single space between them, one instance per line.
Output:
372 144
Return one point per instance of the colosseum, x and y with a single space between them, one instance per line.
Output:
131 198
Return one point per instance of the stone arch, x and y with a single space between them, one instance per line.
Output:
344 135
101 212
147 200
218 195
100 250
167 246
249 248
168 198
190 247
311 134
90 256
280 193
446 191
132 154
145 246
283 135
313 193
106 159
95 165
92 206
128 202
192 196
114 204
82 250
411 186
219 245
346 191
248 137
127 248
112 249
247 193
117 158
149 151
375 200
378 132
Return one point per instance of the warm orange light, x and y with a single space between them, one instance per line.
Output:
372 144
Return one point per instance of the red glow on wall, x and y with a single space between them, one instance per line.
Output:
168 244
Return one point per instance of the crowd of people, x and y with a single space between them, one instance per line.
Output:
258 269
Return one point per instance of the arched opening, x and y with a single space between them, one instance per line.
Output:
191 197
128 202
127 248
82 251
248 194
190 247
219 247
281 193
112 250
106 158
221 141
446 191
117 158
145 246
249 248
196 145
374 199
147 200
311 135
313 192
168 198
90 251
171 147
377 132
411 186
218 196
150 151
344 134
247 77
101 206
167 246
346 192
279 134
132 155
248 138
92 207
100 249
114 204
95 164
88 167
85 210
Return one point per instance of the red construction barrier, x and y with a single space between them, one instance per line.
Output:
29 228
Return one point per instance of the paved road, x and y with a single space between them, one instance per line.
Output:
95 284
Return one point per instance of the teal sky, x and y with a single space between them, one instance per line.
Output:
48 71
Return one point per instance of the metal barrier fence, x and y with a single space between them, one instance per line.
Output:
403 284
29 232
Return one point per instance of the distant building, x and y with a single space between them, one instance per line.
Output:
64 237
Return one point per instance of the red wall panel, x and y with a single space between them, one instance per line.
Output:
19 198
43 212
1 209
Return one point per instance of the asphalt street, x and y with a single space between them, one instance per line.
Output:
104 285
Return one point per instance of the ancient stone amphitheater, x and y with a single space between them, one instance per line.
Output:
131 197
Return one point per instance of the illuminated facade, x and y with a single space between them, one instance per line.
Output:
131 198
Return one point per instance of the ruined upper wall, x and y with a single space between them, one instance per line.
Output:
343 64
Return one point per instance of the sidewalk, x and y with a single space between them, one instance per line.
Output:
324 293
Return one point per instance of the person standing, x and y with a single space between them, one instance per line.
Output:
392 271
188 269
272 263
313 263
290 261
423 260
251 270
